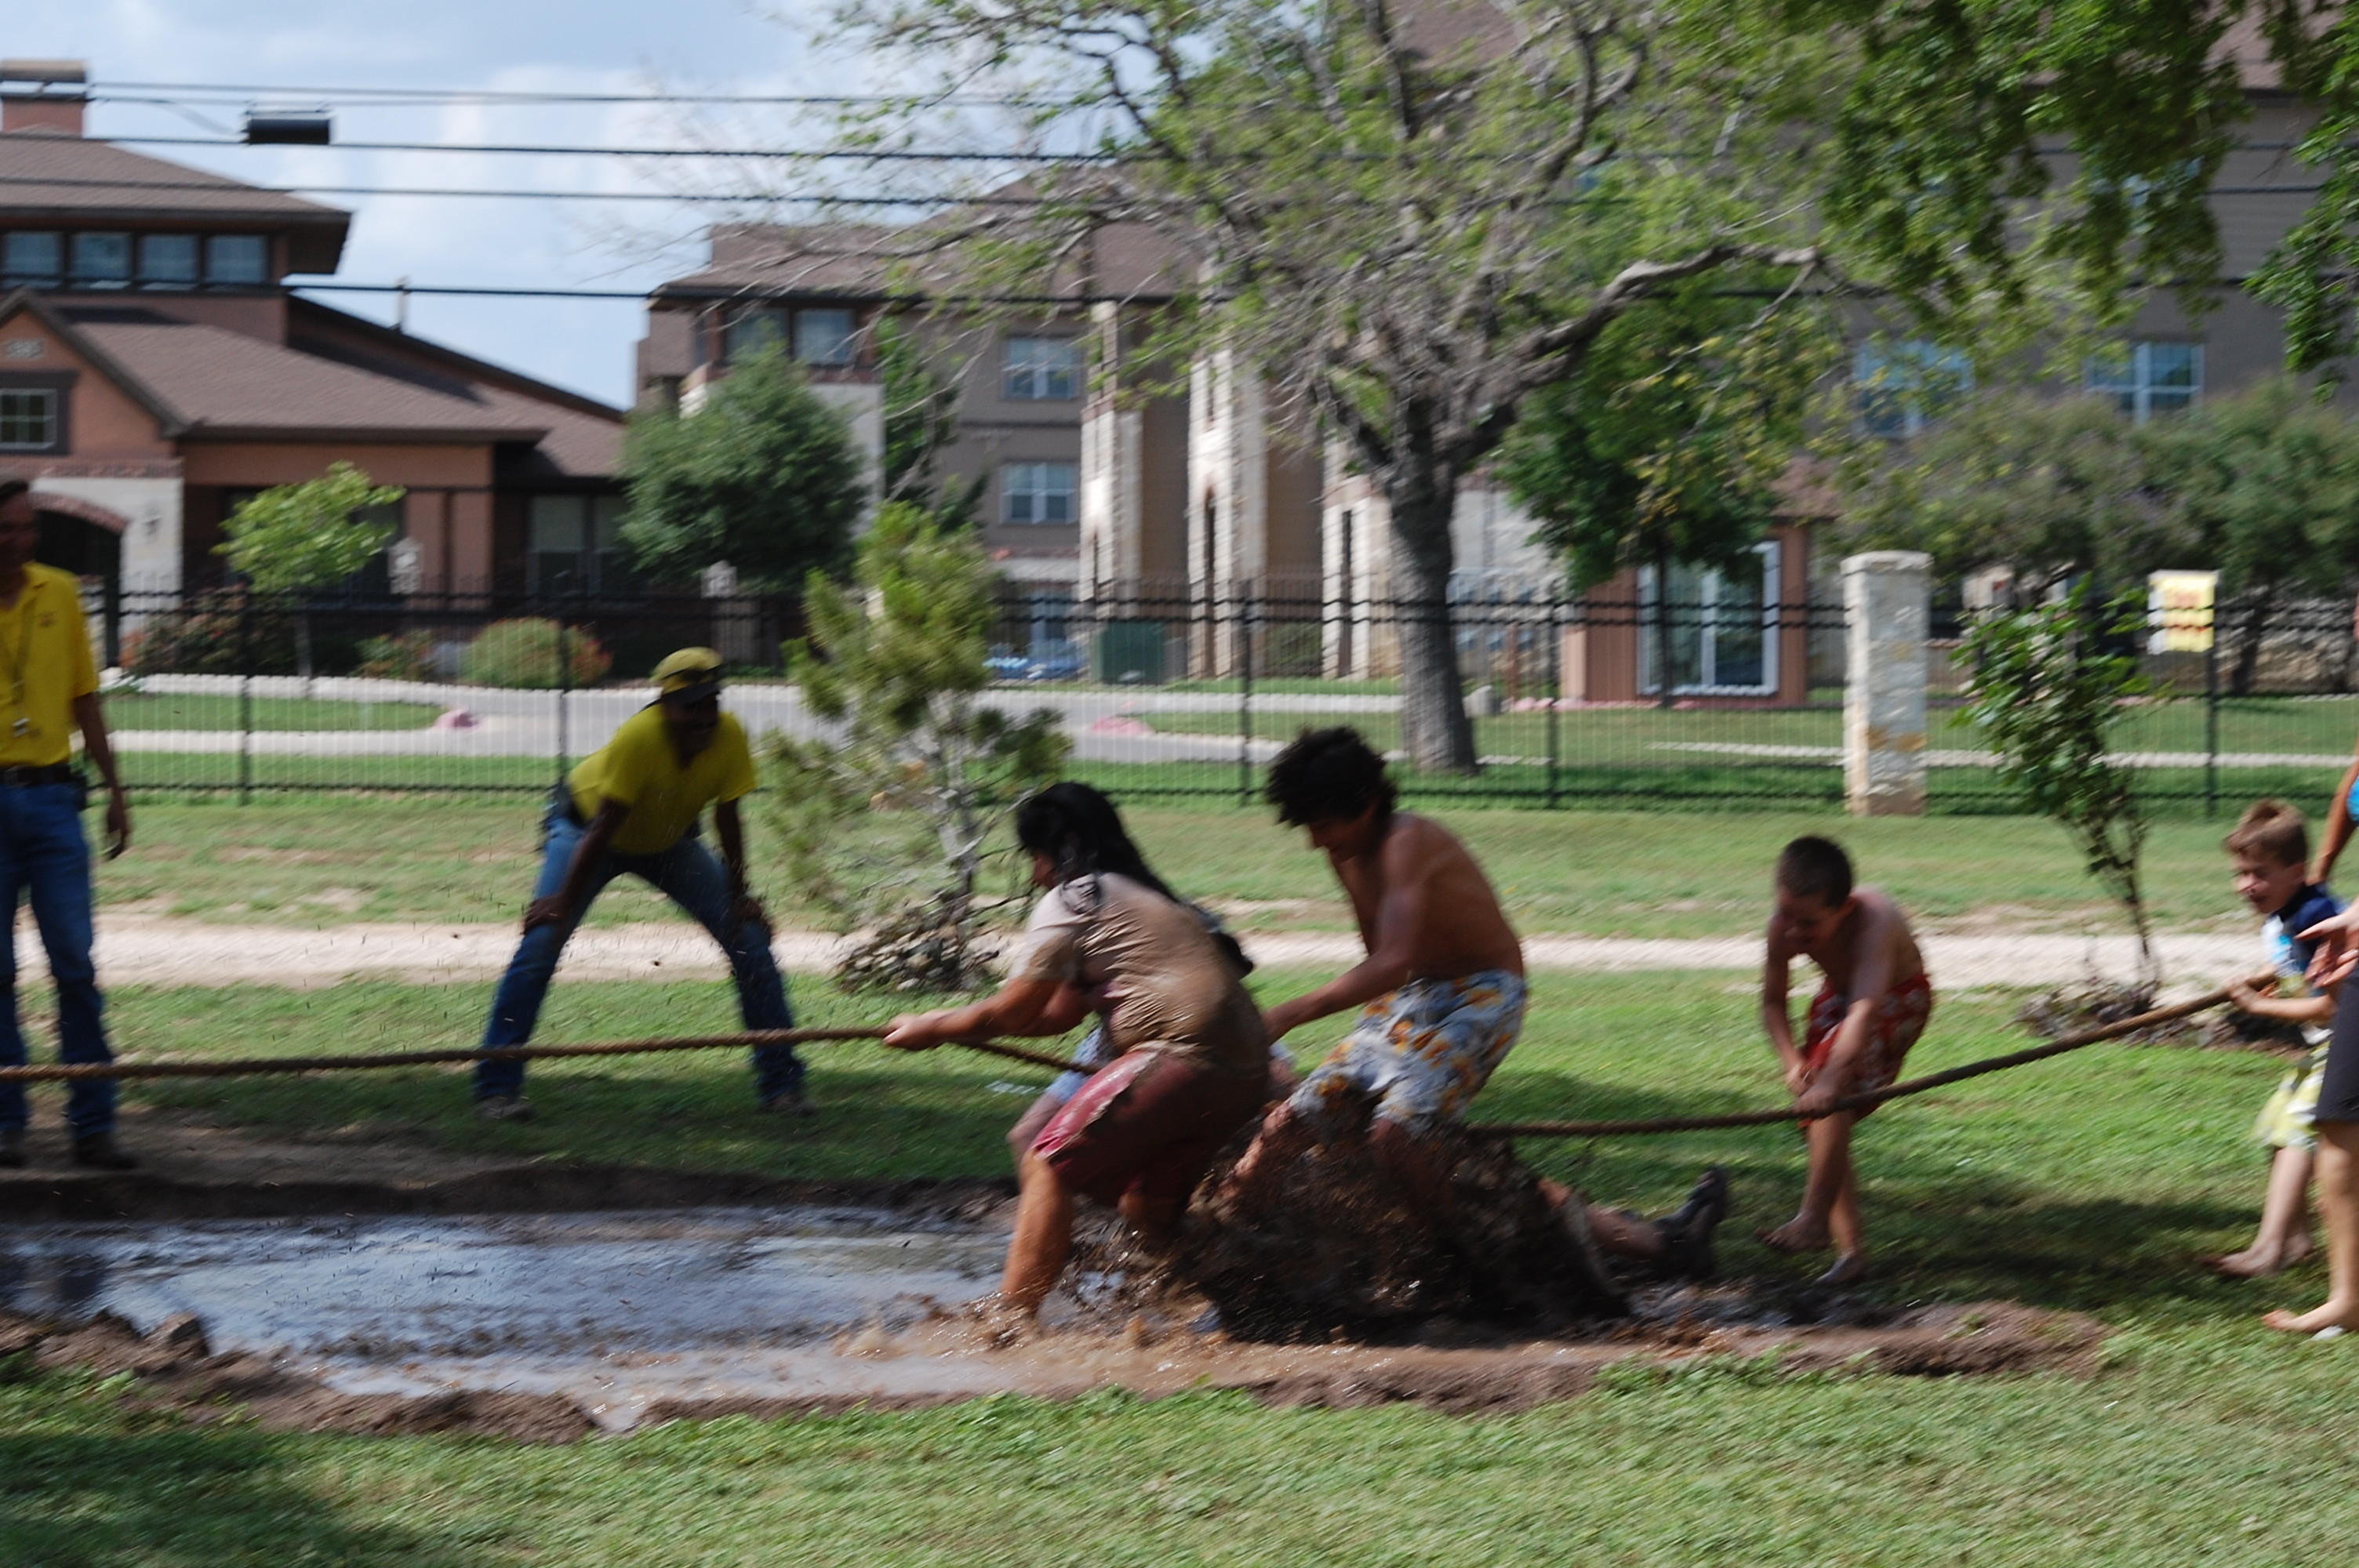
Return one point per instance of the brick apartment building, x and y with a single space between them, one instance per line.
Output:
156 369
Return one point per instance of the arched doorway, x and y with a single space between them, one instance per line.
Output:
86 540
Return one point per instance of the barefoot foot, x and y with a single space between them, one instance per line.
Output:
1848 1270
2333 1314
1799 1234
2252 1263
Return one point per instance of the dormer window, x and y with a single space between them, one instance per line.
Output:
28 418
102 260
237 259
168 261
34 259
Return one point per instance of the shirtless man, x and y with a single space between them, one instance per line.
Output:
1869 1010
1441 992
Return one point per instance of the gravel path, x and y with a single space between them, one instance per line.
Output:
147 950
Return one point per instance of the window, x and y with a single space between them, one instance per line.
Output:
168 261
823 337
33 258
2146 379
237 258
29 419
575 547
1038 492
754 330
1721 629
102 260
1042 368
1902 385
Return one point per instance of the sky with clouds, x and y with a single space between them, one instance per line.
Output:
565 45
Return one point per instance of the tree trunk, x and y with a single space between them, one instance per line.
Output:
1435 731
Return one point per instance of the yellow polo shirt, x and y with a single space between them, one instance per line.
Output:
45 663
639 768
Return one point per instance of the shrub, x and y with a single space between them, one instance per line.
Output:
218 632
525 652
405 655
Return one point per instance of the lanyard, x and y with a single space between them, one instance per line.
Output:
24 724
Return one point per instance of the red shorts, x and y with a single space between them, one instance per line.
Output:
1149 1123
1897 1024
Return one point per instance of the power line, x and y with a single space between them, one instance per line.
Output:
216 189
797 155
415 97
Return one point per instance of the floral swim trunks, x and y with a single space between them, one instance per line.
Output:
1421 1052
2289 1119
1899 1023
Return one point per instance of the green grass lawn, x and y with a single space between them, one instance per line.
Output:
323 859
2084 1183
222 710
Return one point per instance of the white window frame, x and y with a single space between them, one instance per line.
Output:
1033 369
2132 380
1027 479
1708 584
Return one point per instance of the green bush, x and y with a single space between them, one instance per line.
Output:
405 655
221 632
525 653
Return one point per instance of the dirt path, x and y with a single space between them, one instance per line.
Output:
136 949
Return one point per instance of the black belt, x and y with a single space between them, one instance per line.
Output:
26 778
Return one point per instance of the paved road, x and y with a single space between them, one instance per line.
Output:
146 950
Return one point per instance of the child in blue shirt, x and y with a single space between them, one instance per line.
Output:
2271 847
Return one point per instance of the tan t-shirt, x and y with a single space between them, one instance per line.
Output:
1151 967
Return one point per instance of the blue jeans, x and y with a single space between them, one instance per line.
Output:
692 878
43 851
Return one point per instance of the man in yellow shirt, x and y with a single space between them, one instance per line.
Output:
633 807
49 686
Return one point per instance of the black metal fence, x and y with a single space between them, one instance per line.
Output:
1179 696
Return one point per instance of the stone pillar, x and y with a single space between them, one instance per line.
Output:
1886 608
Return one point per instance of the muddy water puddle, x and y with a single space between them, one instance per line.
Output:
616 1310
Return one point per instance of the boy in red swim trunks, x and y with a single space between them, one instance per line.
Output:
1870 1009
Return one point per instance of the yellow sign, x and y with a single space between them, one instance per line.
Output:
2179 608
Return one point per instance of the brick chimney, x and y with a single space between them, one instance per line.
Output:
43 95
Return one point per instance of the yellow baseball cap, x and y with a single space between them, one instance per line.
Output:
689 674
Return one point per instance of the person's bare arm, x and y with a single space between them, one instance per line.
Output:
2337 954
1776 975
2247 996
1039 1006
1392 946
562 907
729 827
100 748
1871 978
2338 826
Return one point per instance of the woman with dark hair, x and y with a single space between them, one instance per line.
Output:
1191 1060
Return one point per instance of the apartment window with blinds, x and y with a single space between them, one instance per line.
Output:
1042 369
574 546
1038 492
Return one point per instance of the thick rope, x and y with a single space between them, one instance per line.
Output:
1850 1102
244 1066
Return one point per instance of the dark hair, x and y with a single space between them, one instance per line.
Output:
1080 831
2273 830
10 489
1077 828
1815 868
1327 775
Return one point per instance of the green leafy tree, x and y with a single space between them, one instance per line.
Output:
2268 483
1409 222
1669 445
888 828
293 540
2047 684
763 475
2051 488
922 420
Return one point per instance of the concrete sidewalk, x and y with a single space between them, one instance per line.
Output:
146 950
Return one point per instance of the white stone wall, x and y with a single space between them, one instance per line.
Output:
1887 600
151 511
